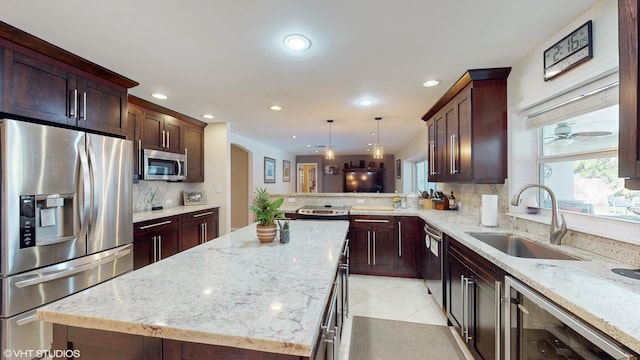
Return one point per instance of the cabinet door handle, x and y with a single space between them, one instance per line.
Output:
84 107
454 153
469 304
400 238
140 164
159 247
374 248
168 146
162 139
371 221
498 319
156 224
432 159
203 214
368 247
75 104
155 248
463 289
206 233
186 161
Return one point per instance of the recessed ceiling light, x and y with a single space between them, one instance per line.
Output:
368 149
369 144
297 42
159 96
275 108
373 133
208 116
317 150
293 137
365 102
431 83
308 145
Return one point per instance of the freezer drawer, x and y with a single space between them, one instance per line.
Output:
31 289
25 336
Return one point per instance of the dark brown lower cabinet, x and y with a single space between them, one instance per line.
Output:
155 240
108 345
198 227
474 293
372 245
407 246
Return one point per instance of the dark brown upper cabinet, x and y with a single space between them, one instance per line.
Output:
629 144
467 130
41 82
159 128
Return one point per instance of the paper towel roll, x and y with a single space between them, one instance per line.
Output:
489 210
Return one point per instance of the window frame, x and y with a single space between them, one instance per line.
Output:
521 172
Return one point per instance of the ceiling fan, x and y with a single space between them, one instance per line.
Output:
564 135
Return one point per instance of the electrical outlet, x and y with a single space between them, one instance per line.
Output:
168 202
359 201
291 200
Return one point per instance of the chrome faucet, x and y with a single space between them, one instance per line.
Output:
556 234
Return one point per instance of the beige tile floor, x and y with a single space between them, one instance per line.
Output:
389 298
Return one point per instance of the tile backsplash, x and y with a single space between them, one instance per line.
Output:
168 194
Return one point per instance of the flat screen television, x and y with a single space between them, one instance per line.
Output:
363 181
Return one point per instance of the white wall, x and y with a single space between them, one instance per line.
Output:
257 152
527 88
217 171
416 150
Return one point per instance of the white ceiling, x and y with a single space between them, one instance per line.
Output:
226 57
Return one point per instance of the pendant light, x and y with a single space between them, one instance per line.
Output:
329 154
378 150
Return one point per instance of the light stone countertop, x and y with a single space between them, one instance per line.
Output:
603 299
172 211
231 291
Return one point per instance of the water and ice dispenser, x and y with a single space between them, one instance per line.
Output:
46 219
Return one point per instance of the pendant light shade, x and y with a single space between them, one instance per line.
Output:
329 154
378 149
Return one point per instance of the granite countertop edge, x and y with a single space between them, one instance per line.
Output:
172 211
192 296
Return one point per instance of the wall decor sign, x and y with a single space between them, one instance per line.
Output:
572 50
269 170
286 171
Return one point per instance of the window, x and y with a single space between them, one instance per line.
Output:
578 156
422 177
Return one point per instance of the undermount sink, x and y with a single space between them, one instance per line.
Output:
519 246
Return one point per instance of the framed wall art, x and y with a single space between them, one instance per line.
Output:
286 171
269 170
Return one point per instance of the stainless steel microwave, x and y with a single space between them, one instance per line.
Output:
162 165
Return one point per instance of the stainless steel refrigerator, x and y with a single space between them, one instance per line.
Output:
66 221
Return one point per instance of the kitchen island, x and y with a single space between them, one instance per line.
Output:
231 295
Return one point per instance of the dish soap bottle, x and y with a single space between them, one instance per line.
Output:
396 200
452 202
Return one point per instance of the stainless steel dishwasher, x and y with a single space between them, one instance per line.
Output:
434 274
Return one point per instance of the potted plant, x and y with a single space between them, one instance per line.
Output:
266 213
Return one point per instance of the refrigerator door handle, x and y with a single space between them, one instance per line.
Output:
85 191
53 241
93 204
27 319
71 271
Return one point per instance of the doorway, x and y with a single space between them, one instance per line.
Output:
307 178
239 187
